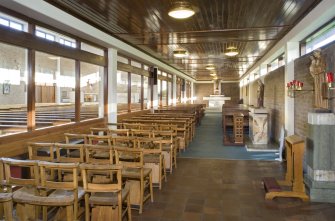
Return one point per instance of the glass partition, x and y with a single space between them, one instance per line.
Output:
91 91
135 92
13 89
54 90
145 92
122 91
164 93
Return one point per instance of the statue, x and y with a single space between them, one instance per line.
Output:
317 70
260 94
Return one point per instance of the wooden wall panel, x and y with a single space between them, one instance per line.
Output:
14 145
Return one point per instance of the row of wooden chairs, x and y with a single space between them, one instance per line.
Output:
36 191
168 140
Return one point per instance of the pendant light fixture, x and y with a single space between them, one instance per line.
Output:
181 10
210 67
231 51
180 53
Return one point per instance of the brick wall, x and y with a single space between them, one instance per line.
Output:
253 93
231 90
203 90
304 100
274 100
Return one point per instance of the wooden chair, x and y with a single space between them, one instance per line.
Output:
98 154
50 193
129 142
153 159
65 193
41 151
76 138
28 190
99 131
105 197
141 133
119 132
63 153
104 140
136 175
6 202
169 147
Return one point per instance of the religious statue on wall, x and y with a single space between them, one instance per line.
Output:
260 94
317 70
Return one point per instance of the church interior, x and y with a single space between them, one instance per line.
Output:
167 110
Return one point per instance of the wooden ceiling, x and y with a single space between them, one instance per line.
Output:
252 26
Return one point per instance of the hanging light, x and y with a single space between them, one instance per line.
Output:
180 53
210 67
181 10
231 51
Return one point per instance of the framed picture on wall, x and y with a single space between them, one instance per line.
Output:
6 87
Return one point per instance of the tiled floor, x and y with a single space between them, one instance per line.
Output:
212 190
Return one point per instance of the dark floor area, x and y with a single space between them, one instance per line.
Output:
212 190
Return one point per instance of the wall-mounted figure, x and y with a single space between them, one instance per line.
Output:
317 70
260 94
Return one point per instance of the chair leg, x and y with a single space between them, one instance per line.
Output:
151 189
164 171
69 213
8 210
128 207
45 213
141 195
87 208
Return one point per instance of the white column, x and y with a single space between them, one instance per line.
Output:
57 87
112 85
101 91
174 89
155 97
192 93
291 52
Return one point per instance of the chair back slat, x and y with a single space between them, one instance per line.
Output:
31 180
76 138
59 183
41 151
69 153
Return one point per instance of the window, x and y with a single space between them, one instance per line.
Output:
12 22
47 36
164 93
122 91
322 37
54 36
170 93
91 90
135 92
145 91
54 90
13 89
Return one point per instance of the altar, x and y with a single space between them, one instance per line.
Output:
216 101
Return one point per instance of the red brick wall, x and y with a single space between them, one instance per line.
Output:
274 100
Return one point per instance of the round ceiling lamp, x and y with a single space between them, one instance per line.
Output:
210 67
231 51
180 53
181 10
